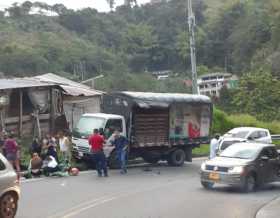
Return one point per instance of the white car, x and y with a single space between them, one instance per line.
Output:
9 189
243 134
250 134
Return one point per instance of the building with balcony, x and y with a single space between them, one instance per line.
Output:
211 84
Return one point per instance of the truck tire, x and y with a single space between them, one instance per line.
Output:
113 161
177 158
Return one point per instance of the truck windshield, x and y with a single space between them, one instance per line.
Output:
86 125
240 134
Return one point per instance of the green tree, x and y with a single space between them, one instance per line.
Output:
259 95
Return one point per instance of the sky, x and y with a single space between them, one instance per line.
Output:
100 5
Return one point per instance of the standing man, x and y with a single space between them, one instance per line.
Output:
214 146
96 142
64 145
121 145
12 151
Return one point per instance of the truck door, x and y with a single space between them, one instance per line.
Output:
112 125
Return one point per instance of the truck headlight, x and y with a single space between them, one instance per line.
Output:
203 166
237 169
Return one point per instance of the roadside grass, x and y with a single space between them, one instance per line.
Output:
201 151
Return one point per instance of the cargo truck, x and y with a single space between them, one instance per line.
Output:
159 126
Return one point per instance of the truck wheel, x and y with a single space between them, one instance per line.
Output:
113 161
177 158
250 183
207 185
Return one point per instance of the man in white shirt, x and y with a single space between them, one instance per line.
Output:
214 146
64 145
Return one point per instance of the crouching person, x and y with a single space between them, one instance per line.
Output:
35 165
50 165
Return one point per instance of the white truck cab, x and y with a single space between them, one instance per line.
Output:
87 123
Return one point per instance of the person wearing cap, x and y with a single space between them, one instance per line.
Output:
214 146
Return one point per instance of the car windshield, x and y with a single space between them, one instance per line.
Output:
240 134
86 125
241 151
226 144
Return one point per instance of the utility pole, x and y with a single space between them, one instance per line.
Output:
191 21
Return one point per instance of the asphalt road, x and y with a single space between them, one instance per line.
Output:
163 192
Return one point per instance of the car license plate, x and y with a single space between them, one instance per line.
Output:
214 176
81 154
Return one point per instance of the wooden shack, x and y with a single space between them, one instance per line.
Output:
29 107
77 98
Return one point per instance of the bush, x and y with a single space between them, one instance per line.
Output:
223 122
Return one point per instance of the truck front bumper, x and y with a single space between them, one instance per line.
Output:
80 154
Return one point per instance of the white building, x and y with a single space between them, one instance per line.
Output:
211 84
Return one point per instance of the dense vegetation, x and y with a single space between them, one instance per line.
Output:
239 36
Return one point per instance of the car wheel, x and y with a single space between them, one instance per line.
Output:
8 206
207 185
250 183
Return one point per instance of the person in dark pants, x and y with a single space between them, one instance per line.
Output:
96 142
121 144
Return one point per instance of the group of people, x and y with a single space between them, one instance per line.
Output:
97 142
44 152
45 156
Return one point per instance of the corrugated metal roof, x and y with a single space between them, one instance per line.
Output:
167 97
17 83
71 87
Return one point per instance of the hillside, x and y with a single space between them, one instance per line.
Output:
239 35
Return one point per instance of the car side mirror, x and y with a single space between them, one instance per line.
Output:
264 158
250 138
